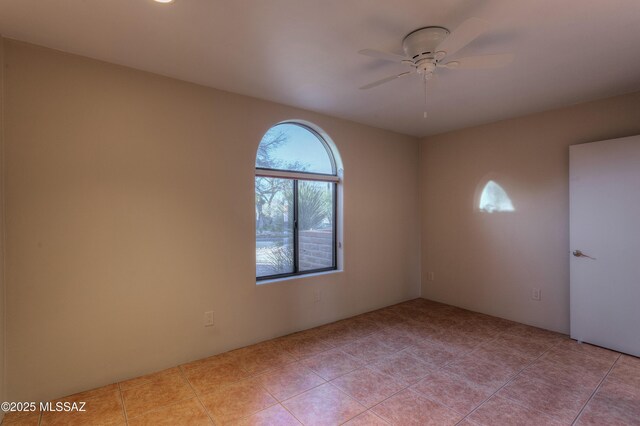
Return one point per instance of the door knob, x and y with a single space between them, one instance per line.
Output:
579 253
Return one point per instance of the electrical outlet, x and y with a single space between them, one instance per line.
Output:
208 319
431 276
536 294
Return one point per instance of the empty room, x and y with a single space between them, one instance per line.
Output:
320 212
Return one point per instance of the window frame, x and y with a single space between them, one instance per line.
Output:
296 177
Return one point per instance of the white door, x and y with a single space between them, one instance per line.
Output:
605 228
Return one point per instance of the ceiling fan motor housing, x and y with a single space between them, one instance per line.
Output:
422 43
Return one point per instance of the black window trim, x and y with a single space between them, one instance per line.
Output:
296 267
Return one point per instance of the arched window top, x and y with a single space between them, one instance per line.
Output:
495 199
295 147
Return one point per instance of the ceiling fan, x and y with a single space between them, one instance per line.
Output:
427 48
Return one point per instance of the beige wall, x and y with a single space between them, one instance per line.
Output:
130 212
490 262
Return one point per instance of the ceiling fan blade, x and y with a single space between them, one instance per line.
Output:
481 62
468 31
382 55
385 80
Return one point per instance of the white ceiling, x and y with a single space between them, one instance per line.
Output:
304 52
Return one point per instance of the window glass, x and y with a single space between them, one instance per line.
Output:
293 147
315 225
274 226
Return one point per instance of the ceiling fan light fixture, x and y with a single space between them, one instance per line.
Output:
423 41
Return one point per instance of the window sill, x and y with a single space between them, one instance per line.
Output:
297 277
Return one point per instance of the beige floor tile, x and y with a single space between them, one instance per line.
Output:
613 404
339 333
501 355
504 412
591 350
570 374
237 400
432 353
630 361
259 358
157 377
227 358
21 418
93 393
452 391
555 399
395 339
213 374
102 408
420 331
290 380
626 372
332 364
458 341
480 372
529 347
324 405
535 333
189 412
594 365
276 415
384 317
408 408
361 325
367 386
303 345
403 367
162 390
368 418
368 349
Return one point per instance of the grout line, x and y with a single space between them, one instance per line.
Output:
391 396
596 389
162 407
292 415
508 382
278 401
351 397
464 379
206 410
124 411
368 410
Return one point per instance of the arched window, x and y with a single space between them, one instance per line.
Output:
296 203
495 199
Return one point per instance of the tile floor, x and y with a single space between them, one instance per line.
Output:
415 363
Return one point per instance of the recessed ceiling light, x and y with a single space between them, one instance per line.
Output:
164 1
